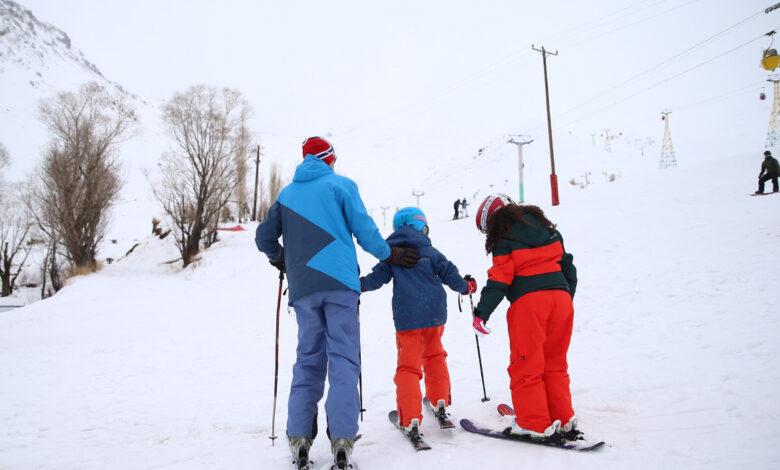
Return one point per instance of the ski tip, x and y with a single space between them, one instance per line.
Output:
505 410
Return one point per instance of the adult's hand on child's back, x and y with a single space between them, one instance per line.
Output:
406 257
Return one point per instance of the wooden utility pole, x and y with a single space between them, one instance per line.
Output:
553 176
257 172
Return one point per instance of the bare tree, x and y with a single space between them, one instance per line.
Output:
241 156
5 160
269 191
199 175
15 227
51 270
80 176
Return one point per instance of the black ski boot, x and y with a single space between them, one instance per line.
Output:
299 446
342 449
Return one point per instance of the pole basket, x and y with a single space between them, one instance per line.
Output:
554 189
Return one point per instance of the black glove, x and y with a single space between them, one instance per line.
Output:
406 257
279 263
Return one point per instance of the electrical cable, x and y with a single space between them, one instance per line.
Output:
657 66
717 97
600 21
657 84
517 61
583 41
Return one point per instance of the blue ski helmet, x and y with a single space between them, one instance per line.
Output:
411 216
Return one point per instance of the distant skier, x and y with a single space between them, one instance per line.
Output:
317 215
456 206
419 313
534 272
769 171
464 207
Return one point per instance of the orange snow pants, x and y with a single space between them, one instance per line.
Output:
540 325
420 350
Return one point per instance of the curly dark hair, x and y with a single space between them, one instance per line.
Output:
499 222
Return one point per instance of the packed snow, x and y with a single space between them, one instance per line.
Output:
147 365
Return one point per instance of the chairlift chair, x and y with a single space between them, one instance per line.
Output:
771 60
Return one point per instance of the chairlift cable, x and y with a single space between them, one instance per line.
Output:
676 56
661 82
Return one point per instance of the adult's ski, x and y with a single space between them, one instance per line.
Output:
441 415
415 438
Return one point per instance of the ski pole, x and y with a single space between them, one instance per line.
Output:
360 361
479 356
276 367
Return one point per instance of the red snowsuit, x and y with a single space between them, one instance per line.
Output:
533 271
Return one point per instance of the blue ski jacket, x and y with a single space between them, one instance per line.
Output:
316 216
419 300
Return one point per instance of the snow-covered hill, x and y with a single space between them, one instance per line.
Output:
37 61
144 365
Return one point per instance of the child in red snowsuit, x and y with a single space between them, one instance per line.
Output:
419 314
534 272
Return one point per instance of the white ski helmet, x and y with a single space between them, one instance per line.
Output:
491 204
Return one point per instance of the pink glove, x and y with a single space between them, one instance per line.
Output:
480 328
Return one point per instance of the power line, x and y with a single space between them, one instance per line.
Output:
719 97
601 21
583 41
661 82
517 59
641 74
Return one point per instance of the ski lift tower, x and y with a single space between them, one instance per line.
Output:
520 140
773 134
668 160
417 194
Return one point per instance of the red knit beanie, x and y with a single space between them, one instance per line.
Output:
320 148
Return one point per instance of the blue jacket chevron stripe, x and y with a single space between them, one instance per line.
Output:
317 215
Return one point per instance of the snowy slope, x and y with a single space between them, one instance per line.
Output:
37 61
145 365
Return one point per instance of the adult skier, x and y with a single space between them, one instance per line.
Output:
769 171
317 215
533 271
456 205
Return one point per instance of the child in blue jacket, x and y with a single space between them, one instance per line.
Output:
419 313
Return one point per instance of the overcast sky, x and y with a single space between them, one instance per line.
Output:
451 74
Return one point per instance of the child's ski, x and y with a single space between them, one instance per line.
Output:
415 439
573 435
441 416
556 440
